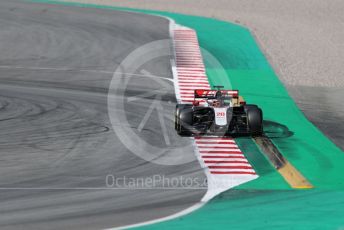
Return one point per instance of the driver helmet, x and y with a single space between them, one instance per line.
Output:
216 103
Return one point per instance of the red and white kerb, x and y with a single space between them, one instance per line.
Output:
221 155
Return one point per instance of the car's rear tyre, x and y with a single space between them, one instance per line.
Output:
179 107
184 121
255 121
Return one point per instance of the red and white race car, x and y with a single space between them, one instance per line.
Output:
218 112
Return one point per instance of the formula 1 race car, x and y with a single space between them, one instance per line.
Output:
218 112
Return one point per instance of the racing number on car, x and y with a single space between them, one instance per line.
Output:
220 114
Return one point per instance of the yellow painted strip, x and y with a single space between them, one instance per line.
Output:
294 177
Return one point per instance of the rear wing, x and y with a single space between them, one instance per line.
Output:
211 94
